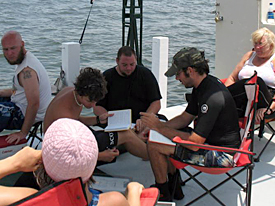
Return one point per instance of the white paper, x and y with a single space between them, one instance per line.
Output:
160 203
121 120
159 138
107 184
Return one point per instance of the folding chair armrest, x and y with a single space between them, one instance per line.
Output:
149 196
267 118
223 80
178 140
269 105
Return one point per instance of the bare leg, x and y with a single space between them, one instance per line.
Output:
171 167
141 136
158 154
133 144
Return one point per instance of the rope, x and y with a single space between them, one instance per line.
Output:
82 35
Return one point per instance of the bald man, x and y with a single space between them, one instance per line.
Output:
26 102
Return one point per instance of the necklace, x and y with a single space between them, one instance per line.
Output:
76 100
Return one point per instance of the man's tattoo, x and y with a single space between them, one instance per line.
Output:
27 74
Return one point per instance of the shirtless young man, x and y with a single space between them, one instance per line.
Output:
90 87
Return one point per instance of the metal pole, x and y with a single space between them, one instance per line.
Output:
129 19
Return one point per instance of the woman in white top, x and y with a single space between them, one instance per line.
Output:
260 59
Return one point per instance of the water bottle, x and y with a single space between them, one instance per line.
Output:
270 14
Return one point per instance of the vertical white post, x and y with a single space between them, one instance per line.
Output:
71 61
160 65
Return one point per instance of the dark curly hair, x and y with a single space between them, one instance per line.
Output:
90 82
43 179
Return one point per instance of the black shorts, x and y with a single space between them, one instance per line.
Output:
105 140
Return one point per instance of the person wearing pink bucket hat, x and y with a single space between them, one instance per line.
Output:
70 151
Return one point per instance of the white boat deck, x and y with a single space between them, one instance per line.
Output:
230 193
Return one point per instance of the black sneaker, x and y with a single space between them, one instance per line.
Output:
172 179
164 192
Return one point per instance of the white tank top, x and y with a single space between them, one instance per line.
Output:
19 97
265 71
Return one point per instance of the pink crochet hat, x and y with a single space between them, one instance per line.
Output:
69 150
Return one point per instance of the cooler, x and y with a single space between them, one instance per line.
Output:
7 149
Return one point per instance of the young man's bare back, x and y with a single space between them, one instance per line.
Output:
63 105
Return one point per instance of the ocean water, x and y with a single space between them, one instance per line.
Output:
45 25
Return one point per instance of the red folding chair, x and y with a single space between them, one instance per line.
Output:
266 123
72 193
69 193
7 149
149 196
243 157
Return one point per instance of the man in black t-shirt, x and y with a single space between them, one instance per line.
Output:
130 86
217 122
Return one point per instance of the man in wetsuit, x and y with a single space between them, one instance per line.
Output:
217 122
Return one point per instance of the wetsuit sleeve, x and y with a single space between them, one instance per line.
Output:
192 107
